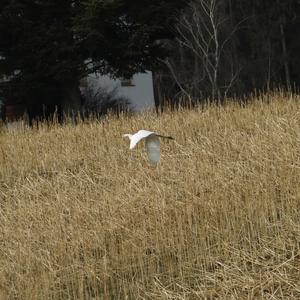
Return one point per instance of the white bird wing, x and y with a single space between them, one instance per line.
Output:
153 148
139 136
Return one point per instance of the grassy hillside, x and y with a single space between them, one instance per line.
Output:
83 217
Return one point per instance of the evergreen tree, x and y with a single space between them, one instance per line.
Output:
47 46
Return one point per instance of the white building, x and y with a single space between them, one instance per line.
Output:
138 90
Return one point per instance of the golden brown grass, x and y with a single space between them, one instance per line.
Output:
83 217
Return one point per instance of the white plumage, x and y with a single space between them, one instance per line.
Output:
152 143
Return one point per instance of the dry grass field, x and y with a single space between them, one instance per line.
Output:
83 217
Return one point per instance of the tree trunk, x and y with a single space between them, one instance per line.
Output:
284 49
195 87
285 56
156 90
71 101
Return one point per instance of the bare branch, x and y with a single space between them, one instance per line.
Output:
168 64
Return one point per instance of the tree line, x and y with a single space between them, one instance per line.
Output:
197 49
48 46
229 48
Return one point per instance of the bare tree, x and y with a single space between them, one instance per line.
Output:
202 30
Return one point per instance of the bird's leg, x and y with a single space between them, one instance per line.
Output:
165 137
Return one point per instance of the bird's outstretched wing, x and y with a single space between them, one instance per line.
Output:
153 148
139 136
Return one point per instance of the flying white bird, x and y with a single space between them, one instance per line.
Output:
152 143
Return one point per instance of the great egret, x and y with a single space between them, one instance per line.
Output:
152 143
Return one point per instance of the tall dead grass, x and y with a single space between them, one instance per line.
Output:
82 217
